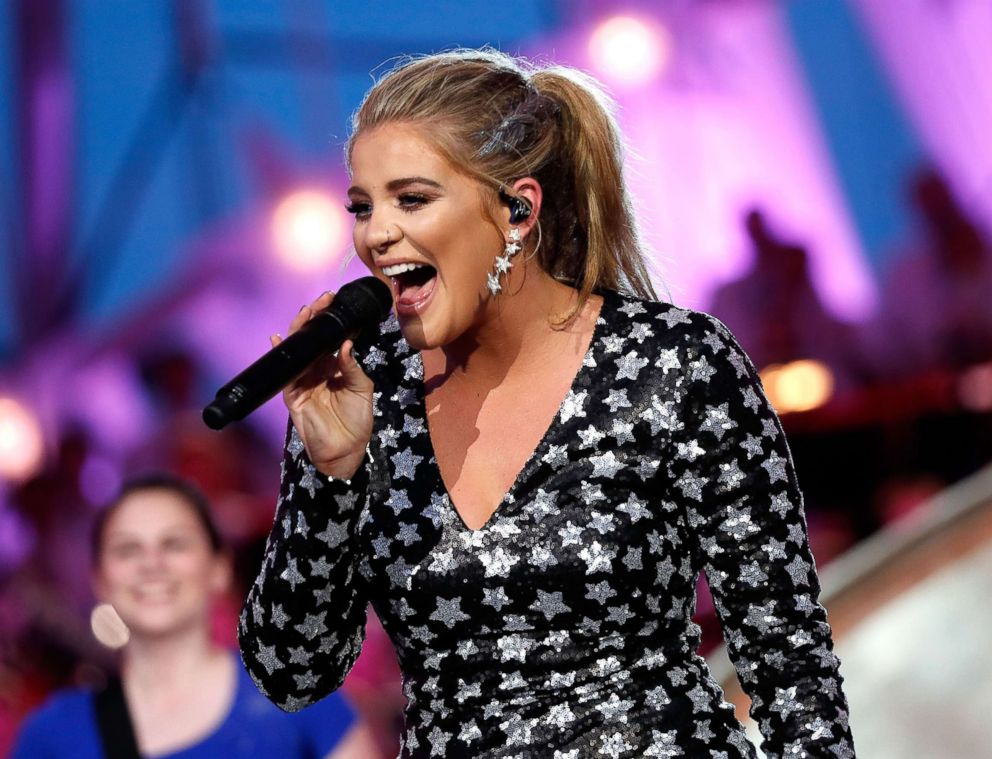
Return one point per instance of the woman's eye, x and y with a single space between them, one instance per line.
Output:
177 544
358 209
124 551
411 202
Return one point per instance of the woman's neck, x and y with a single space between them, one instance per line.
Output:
515 337
178 659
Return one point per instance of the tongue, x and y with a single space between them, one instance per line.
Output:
412 289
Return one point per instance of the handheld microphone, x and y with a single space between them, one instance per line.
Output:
357 308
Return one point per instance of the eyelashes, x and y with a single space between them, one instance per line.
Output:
408 202
358 210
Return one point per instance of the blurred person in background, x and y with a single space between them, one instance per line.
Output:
159 562
935 310
776 313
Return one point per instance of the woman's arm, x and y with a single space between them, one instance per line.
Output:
745 509
303 623
357 743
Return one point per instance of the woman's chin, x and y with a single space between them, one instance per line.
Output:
162 625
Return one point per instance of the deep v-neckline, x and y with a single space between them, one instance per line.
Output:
440 486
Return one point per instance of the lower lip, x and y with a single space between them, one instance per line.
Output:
416 307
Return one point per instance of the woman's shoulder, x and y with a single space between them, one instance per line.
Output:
65 721
64 703
668 323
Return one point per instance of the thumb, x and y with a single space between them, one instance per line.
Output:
348 364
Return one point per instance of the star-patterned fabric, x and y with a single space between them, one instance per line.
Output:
562 628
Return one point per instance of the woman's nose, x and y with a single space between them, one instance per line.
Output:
380 236
153 559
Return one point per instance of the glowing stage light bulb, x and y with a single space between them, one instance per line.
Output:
798 386
628 51
308 230
21 442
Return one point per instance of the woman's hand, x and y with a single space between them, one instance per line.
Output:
330 404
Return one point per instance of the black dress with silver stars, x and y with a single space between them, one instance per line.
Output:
562 628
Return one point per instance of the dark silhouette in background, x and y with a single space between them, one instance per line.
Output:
935 310
775 311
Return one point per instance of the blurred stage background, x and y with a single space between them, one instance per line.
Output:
816 174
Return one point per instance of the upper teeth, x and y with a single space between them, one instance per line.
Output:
392 271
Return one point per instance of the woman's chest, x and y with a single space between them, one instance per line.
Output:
585 535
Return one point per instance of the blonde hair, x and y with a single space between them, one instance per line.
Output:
497 118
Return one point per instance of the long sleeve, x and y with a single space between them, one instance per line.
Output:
303 622
732 464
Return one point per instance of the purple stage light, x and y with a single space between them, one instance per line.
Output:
628 51
731 126
939 58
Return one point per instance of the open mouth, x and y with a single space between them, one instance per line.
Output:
413 284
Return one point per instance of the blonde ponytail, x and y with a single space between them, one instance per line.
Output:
609 254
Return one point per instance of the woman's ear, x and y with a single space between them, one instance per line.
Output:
528 190
97 583
221 573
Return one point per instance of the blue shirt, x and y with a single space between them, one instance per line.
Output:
253 729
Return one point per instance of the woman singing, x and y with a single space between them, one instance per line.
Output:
528 469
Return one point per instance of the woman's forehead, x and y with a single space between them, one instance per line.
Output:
151 510
401 149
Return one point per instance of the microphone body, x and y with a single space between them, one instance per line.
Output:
357 308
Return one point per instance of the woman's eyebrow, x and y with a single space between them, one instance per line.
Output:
399 184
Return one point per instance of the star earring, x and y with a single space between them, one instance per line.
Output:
503 263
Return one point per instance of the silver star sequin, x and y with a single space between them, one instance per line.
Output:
291 574
590 437
605 465
798 570
312 625
701 370
266 656
629 366
623 432
407 534
775 465
718 420
573 405
405 464
279 617
597 557
320 567
691 485
752 445
632 309
675 316
449 612
640 332
775 549
334 535
310 481
635 508
617 399
398 501
514 648
556 456
549 604
601 591
295 445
